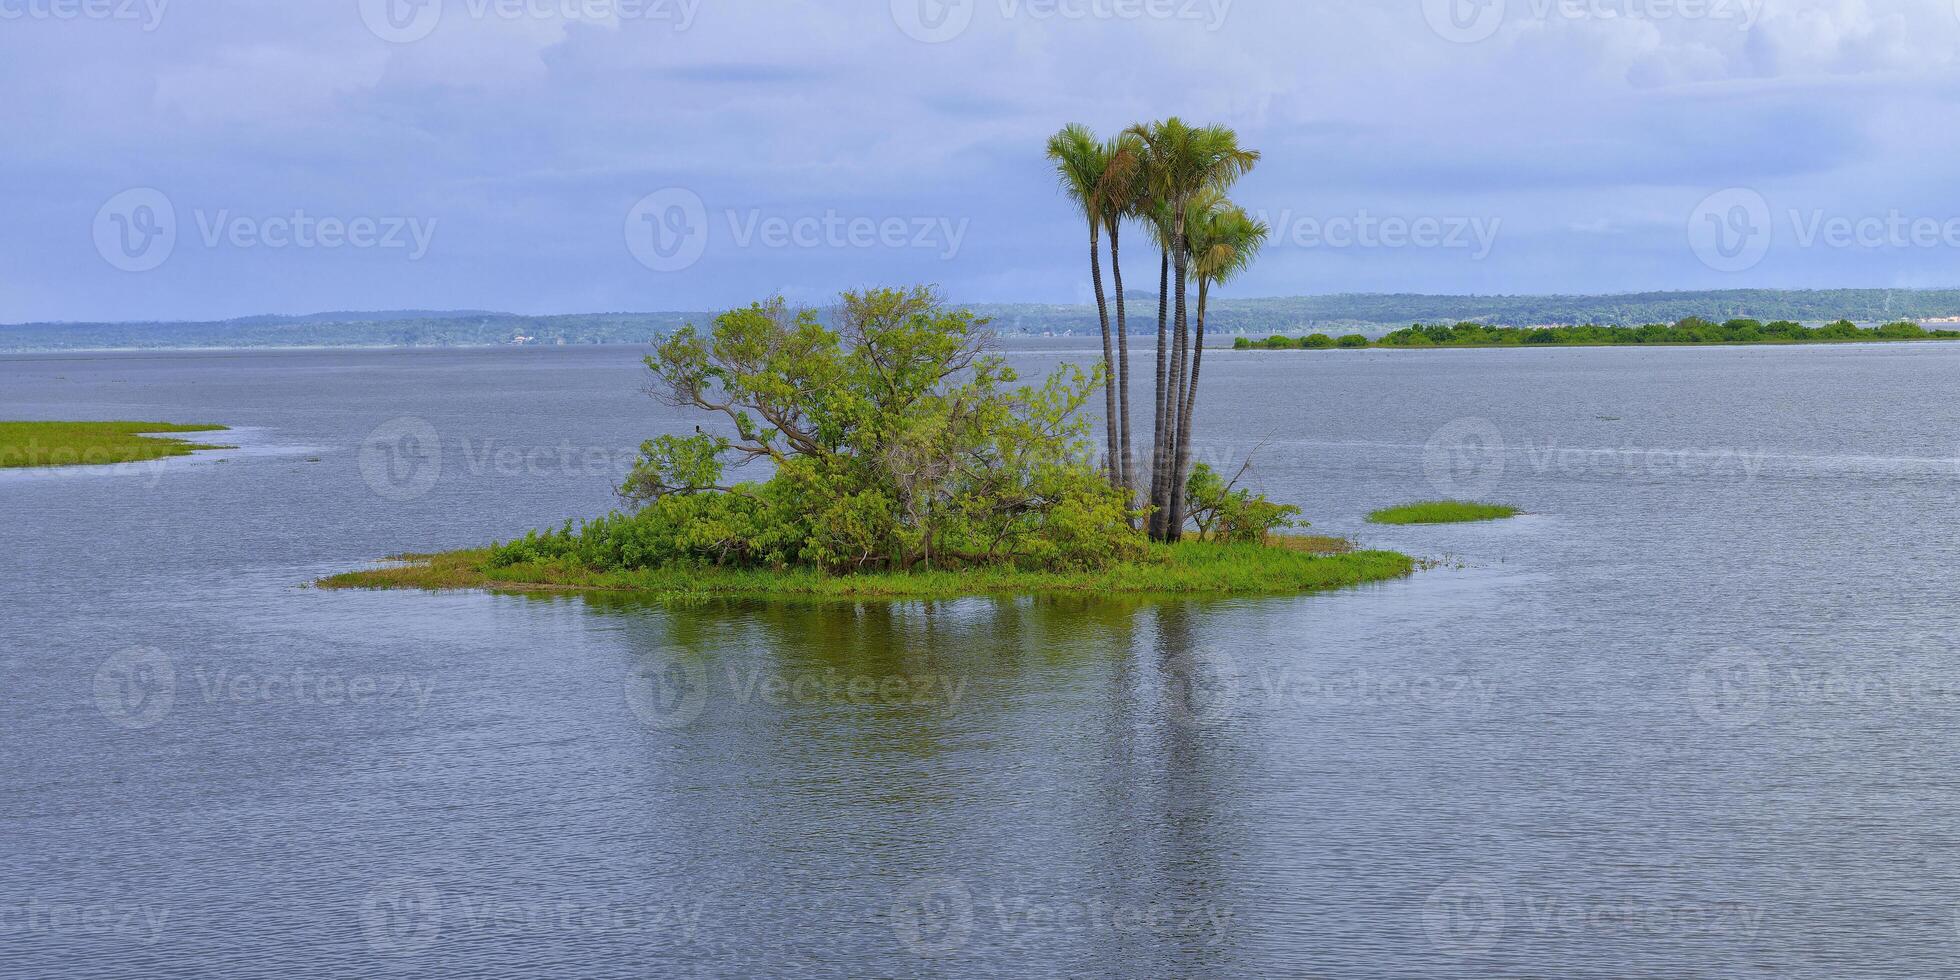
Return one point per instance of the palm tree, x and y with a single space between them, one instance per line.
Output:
1091 174
1183 161
1125 189
1223 241
1155 213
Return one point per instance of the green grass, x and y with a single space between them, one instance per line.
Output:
1442 512
92 443
1289 566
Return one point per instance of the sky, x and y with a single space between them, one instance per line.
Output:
203 159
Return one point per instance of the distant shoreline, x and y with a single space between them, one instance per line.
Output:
1089 347
1227 317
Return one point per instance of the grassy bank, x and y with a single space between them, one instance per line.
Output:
1290 566
93 443
1442 512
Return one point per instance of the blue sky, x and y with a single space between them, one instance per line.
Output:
193 159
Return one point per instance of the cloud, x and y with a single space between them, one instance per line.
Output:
1589 129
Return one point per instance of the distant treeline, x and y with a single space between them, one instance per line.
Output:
413 329
1331 315
1691 330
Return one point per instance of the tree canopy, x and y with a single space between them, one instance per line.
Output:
895 440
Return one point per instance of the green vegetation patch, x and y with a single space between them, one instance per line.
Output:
1442 512
93 443
1288 566
1687 332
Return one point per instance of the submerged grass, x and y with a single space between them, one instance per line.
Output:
93 443
1289 566
1442 512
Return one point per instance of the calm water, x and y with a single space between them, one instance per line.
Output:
1694 715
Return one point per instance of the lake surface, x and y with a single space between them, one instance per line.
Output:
1696 714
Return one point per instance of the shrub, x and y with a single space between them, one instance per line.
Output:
1903 330
898 440
1354 340
1318 341
1233 515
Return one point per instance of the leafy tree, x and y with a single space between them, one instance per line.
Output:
1318 341
1354 340
1222 511
897 440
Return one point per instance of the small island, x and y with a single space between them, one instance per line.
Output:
906 463
1692 331
1283 565
40 444
1442 512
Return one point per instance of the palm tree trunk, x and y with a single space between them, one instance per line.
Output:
1109 359
1183 468
1158 437
1173 423
1123 358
